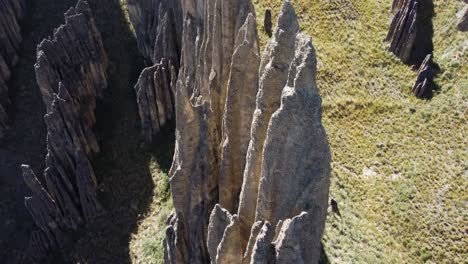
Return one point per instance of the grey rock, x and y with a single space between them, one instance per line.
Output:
71 74
422 88
410 32
155 97
267 158
158 26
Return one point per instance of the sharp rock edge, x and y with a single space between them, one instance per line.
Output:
410 32
158 27
251 170
11 14
71 74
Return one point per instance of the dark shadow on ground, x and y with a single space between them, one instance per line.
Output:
125 183
25 141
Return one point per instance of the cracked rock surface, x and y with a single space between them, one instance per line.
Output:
251 170
71 74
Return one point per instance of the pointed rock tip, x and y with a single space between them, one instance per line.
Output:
287 19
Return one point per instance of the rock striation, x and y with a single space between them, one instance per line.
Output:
410 33
11 14
158 27
71 74
251 170
425 79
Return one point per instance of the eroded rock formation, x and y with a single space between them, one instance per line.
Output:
71 74
158 26
425 79
251 169
410 33
11 13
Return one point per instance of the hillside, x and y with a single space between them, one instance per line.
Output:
399 163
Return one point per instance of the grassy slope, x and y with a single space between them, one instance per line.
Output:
399 177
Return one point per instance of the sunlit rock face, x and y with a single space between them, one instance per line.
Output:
11 14
410 33
71 74
251 170
158 28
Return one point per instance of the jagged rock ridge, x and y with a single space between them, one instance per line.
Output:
158 26
251 169
71 74
11 14
410 33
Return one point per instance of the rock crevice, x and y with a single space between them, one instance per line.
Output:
158 27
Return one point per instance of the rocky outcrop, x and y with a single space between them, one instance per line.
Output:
155 97
11 13
410 33
251 169
71 74
463 21
158 27
425 79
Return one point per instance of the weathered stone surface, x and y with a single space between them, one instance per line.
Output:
410 33
281 177
155 97
267 24
463 21
158 26
11 14
425 79
71 74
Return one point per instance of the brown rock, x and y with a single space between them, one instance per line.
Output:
158 25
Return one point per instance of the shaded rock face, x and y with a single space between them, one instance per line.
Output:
411 30
71 74
11 13
251 170
158 26
425 79
267 24
463 21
